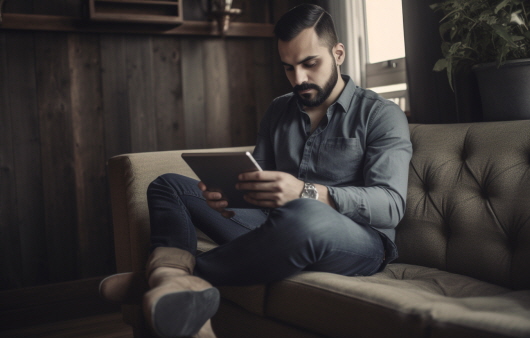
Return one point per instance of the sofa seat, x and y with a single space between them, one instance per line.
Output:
402 301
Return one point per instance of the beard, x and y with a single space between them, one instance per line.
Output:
322 93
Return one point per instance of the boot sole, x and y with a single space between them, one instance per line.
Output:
182 314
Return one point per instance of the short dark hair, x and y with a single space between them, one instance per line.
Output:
306 16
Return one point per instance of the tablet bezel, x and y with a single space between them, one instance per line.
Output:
219 171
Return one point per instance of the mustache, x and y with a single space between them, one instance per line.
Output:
305 86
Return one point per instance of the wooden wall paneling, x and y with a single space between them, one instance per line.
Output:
279 7
216 91
58 7
241 74
264 89
95 250
139 63
10 250
281 83
194 10
57 140
18 6
26 151
167 82
253 11
193 93
115 95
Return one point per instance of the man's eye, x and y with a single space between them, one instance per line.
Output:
309 65
288 69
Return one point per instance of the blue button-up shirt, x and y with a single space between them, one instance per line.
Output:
360 150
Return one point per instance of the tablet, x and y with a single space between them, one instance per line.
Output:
219 172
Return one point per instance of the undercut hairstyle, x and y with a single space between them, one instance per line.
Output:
307 16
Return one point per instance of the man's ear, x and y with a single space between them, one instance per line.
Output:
339 53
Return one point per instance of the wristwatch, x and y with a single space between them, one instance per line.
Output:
309 191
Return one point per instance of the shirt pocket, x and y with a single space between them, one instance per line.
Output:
340 159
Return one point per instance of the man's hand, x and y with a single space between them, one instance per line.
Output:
269 189
215 201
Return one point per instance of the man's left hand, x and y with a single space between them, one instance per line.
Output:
269 189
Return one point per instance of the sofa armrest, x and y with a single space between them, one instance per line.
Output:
129 177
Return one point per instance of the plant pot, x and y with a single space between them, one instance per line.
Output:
504 91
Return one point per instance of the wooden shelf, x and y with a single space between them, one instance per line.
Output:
139 11
70 24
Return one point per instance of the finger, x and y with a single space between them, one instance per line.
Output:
212 195
228 213
258 176
263 196
257 186
202 186
219 205
264 203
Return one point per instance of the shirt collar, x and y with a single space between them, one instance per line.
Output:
346 97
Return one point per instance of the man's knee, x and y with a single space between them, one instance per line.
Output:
306 217
170 181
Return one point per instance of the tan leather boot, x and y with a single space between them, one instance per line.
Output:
124 288
178 306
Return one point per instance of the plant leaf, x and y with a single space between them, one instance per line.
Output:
440 65
503 33
502 5
450 73
444 27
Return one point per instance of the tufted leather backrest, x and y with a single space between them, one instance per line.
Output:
468 204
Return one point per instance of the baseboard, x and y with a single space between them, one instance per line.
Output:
50 303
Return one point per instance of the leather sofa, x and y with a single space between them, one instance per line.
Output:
464 243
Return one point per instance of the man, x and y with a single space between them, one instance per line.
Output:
335 160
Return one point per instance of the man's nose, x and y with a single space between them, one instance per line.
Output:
300 76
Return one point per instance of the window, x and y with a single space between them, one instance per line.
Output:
385 67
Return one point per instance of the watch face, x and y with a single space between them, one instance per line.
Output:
310 192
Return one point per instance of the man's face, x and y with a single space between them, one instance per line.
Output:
309 66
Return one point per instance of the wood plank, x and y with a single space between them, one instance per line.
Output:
20 6
99 326
55 112
72 24
10 250
114 95
264 90
138 59
193 93
253 11
95 249
216 90
242 112
48 303
58 7
167 84
26 149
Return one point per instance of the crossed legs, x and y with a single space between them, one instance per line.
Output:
254 247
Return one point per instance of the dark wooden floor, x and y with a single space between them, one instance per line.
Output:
100 326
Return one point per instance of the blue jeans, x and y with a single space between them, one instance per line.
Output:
258 246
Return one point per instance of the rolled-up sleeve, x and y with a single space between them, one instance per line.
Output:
380 203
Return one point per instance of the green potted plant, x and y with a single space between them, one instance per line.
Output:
491 37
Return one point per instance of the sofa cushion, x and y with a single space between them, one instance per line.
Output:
402 301
468 201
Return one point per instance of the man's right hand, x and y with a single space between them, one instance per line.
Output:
215 201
